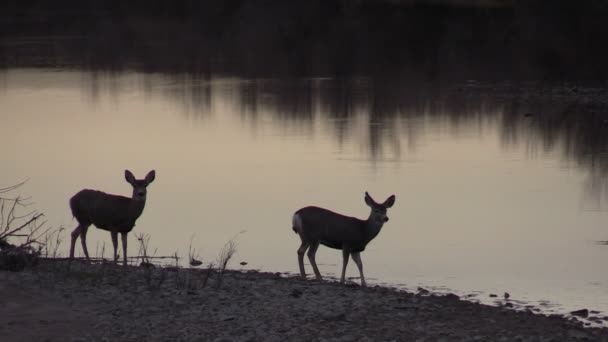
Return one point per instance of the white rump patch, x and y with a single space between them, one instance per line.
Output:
297 223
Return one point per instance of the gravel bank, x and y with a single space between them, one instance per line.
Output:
111 303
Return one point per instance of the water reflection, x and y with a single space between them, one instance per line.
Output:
378 86
385 117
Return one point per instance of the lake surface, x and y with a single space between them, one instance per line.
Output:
500 188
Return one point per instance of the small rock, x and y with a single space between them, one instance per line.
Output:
146 265
422 290
295 293
492 295
507 295
580 313
195 262
334 317
452 296
243 263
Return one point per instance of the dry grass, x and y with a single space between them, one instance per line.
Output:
226 254
23 235
154 280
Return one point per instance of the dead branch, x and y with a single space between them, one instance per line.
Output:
12 187
6 234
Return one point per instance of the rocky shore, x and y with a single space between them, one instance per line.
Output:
103 302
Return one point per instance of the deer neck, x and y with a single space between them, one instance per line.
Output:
372 227
136 208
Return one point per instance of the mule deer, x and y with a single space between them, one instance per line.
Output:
317 226
116 214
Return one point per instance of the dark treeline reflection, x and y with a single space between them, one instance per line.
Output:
385 114
440 39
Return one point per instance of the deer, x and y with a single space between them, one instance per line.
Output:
114 213
318 226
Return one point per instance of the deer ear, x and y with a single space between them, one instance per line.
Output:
129 177
369 200
150 176
389 202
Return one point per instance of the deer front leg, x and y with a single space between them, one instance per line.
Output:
357 259
115 244
75 234
311 256
124 248
345 254
301 251
83 241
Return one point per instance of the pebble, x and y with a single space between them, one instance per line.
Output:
580 313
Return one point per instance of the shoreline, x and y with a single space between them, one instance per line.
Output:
588 315
103 302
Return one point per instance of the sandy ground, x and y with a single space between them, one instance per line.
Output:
29 313
112 303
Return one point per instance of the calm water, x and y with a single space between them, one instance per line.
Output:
488 199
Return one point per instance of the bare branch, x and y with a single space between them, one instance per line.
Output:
11 213
28 214
11 232
1 213
12 187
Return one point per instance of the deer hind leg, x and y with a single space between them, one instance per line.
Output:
357 259
345 255
115 244
124 248
311 256
303 247
75 234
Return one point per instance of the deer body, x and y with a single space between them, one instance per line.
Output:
334 230
114 213
318 226
106 211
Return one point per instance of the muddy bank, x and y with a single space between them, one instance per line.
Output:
109 303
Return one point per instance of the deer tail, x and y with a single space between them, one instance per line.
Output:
296 223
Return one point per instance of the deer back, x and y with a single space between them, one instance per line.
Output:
106 211
332 229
